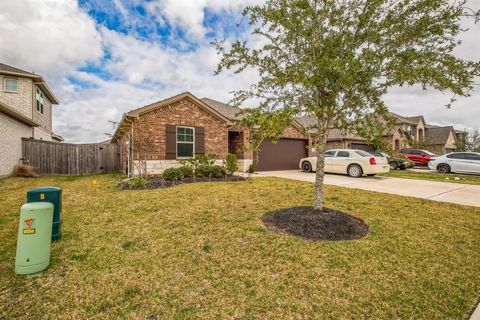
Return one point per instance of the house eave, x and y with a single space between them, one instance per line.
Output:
38 80
14 114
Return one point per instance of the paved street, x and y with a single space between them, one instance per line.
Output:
439 191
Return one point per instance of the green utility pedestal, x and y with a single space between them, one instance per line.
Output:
34 237
54 196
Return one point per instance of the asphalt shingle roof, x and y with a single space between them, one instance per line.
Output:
224 109
7 68
438 135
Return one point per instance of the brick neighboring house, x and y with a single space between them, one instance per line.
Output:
408 132
169 130
25 112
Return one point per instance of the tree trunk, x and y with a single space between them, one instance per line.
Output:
320 173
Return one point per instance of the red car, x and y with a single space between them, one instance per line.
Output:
420 157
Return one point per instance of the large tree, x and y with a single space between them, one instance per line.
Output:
335 60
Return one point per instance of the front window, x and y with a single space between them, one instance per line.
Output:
329 154
185 142
10 85
39 99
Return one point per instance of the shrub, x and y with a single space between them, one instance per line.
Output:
197 161
203 171
218 172
138 182
251 168
23 170
230 164
187 172
172 174
208 171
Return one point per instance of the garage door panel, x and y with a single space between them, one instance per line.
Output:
284 155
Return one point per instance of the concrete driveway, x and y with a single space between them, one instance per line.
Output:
439 191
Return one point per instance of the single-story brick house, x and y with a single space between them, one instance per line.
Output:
169 130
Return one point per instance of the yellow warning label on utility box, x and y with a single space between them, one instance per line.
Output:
29 231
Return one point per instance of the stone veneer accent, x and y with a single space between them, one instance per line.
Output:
158 166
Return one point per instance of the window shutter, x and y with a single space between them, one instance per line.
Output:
171 142
199 140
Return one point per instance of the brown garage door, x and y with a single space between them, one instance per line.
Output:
284 155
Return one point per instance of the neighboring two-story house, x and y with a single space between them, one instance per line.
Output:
25 112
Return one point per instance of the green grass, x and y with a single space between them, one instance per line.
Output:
200 251
434 176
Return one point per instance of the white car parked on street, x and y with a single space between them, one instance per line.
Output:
460 162
354 163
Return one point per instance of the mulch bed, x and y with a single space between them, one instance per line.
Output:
306 223
159 183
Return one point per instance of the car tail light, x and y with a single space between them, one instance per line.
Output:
372 161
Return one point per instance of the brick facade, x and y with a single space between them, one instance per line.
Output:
149 129
293 132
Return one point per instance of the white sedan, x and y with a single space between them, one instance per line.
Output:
354 163
465 162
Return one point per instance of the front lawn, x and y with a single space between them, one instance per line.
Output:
434 176
200 251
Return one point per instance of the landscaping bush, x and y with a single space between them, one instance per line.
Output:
199 160
23 170
137 182
172 174
251 168
187 172
218 172
230 164
209 171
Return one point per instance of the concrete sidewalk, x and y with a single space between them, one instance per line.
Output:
458 193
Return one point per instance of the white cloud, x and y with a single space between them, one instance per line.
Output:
144 72
47 36
56 38
188 15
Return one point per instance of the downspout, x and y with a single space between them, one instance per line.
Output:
33 108
130 147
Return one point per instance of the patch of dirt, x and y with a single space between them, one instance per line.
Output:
306 223
159 183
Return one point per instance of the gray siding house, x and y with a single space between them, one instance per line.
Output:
25 112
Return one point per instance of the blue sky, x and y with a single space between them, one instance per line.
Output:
105 57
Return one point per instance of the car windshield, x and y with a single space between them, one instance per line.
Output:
363 153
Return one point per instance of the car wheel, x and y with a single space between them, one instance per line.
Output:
306 167
393 165
443 168
355 171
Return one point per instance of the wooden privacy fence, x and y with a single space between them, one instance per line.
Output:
75 159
